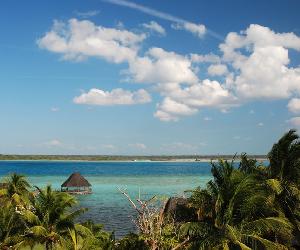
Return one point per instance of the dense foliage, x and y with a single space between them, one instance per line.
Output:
246 205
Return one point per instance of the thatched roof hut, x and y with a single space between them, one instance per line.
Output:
76 184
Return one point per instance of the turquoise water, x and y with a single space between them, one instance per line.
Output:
107 205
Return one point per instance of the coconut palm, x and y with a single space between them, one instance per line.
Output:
89 236
235 211
10 224
14 197
106 240
81 238
251 166
17 184
17 189
49 219
284 175
285 158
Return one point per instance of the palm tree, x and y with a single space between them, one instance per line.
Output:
49 219
285 158
90 236
10 224
235 212
13 199
105 239
284 175
17 184
251 166
17 189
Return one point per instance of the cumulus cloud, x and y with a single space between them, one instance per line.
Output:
183 101
154 26
261 62
295 121
217 69
200 95
114 97
253 64
160 66
78 40
169 110
294 105
197 29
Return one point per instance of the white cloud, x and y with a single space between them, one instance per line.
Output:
202 94
260 59
154 26
182 101
208 58
53 143
255 64
295 121
251 112
175 79
207 118
197 29
169 109
114 97
139 146
87 14
260 124
164 116
160 66
294 105
78 40
217 69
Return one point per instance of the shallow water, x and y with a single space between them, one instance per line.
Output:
107 205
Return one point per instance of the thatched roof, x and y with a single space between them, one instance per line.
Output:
76 180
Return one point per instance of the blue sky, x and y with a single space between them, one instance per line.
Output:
148 77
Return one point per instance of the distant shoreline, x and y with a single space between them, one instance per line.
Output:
133 159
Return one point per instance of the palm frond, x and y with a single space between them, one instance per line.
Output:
258 243
264 226
30 217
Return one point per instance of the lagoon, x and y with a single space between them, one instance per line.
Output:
107 205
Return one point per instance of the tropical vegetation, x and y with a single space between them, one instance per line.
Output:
246 205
